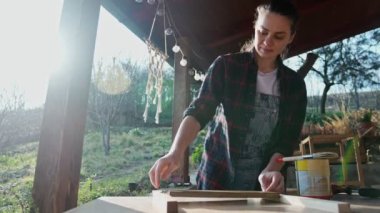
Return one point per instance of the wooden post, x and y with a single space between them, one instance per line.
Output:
180 102
59 157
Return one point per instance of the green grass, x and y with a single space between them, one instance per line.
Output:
17 167
132 154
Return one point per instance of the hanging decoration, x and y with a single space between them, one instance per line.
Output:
153 90
157 59
155 80
198 76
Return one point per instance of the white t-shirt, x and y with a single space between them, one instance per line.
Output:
267 83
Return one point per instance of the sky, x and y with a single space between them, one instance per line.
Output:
28 29
29 41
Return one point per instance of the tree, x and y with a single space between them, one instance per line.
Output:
11 103
329 70
351 61
110 84
361 63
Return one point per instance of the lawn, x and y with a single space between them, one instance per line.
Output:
132 153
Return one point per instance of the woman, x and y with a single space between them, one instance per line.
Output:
260 105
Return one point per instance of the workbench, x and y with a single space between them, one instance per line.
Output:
287 203
358 203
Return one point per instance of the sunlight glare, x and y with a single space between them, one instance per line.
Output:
28 39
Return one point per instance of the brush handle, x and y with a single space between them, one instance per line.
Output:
294 158
319 155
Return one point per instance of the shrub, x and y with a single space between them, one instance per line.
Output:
196 157
131 143
136 132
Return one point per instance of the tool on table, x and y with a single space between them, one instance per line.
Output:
363 191
318 155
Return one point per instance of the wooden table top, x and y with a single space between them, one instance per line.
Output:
144 204
359 203
286 203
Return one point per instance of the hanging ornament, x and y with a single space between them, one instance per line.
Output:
151 2
160 12
197 77
169 31
155 80
176 48
183 61
202 77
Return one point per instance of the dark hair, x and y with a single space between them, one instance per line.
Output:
282 7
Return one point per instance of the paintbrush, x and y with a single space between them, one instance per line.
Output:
318 155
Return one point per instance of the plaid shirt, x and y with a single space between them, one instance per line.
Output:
231 84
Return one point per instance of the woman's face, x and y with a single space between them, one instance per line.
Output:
272 34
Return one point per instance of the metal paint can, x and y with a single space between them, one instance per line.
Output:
313 178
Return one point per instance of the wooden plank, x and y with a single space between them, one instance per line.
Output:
178 206
163 202
223 194
56 181
163 198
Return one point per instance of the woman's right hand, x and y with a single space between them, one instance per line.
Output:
163 168
166 165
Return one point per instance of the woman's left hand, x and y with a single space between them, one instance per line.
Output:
272 181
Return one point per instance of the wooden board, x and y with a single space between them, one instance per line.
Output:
162 202
223 194
240 201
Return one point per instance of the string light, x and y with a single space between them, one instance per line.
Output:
160 12
196 77
176 48
169 31
191 71
183 61
199 76
151 2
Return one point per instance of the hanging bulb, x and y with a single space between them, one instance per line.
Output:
202 77
151 2
183 61
197 77
176 48
168 31
160 12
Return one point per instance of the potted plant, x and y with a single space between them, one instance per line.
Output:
365 122
339 125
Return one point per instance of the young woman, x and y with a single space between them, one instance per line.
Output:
256 106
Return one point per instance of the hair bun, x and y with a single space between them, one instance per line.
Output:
278 1
275 2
